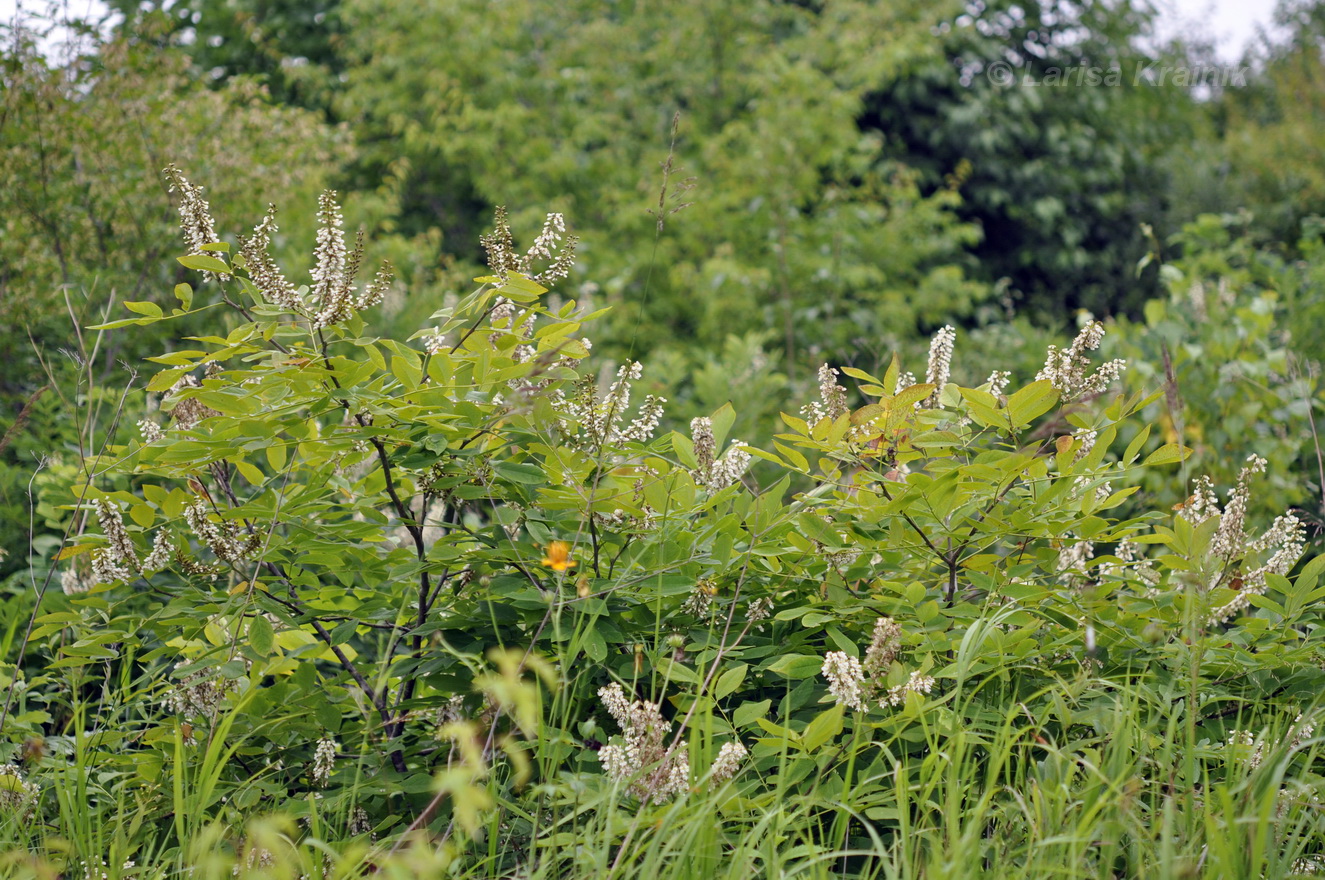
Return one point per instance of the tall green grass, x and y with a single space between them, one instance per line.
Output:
1114 782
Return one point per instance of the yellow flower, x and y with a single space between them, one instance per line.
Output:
558 556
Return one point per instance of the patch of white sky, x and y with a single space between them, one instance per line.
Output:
1230 26
63 9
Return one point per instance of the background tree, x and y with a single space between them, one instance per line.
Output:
85 128
798 224
1060 177
1267 152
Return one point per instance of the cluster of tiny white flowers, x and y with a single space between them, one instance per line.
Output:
163 550
1074 557
700 601
150 430
858 685
916 684
360 823
832 402
1203 502
1296 798
263 270
72 581
500 246
112 526
195 215
1231 538
549 238
100 871
1303 729
331 297
329 253
450 712
620 520
1246 747
940 362
998 382
904 380
334 267
728 761
1196 299
885 647
712 472
1130 559
18 797
840 560
503 310
324 761
548 247
759 609
1250 749
435 342
196 695
1087 437
118 561
846 679
642 760
1284 540
642 428
1288 537
187 411
255 857
589 422
1309 866
1066 369
375 290
222 539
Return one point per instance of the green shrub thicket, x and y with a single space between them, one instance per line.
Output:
349 604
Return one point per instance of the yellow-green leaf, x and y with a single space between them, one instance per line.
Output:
261 635
1169 453
204 263
150 309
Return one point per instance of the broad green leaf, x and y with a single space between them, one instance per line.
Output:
261 635
747 714
1169 453
910 396
1134 448
796 666
1031 402
517 472
826 725
150 309
730 680
204 263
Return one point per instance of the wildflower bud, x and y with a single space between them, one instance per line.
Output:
940 362
324 761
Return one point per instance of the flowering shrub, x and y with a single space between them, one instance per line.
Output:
1233 347
450 585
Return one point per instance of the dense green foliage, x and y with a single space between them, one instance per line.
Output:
387 587
90 220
